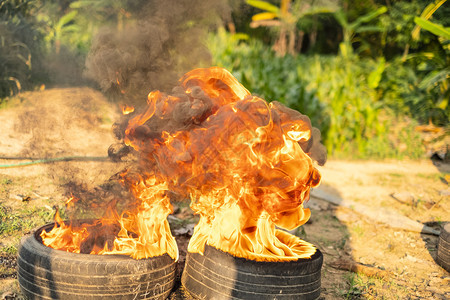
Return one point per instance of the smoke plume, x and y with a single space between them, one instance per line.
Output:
161 40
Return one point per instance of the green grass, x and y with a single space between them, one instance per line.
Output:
18 222
356 289
10 250
362 286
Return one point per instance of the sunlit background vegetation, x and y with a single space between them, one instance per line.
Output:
367 73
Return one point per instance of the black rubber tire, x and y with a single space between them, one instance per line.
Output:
443 252
46 273
219 275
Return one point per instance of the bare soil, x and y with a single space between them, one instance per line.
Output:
77 121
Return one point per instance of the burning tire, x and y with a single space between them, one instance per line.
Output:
219 275
443 253
46 273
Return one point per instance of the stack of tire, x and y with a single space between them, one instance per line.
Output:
46 273
219 275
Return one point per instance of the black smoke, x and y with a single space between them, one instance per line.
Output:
158 42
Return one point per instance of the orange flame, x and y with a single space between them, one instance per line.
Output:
70 203
142 233
241 160
126 109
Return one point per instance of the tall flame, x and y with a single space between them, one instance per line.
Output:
245 163
140 233
239 158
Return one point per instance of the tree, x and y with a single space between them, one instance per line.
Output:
286 18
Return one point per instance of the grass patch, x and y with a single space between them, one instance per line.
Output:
10 250
356 289
358 230
396 175
18 222
362 286
433 176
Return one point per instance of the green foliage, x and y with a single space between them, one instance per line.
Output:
287 19
436 29
422 20
436 64
19 45
358 26
419 83
350 102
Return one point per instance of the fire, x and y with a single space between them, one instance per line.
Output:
126 109
239 158
140 233
245 164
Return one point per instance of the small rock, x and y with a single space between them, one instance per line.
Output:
187 230
8 296
411 258
404 197
445 193
316 205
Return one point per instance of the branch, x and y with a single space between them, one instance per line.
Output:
268 23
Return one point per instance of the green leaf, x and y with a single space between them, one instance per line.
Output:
67 18
375 76
318 10
71 28
82 4
443 103
340 17
239 37
426 14
431 8
366 18
369 29
370 16
433 78
434 28
264 6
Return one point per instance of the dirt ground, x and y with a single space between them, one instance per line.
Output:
78 121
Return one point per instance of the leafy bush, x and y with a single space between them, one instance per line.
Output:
347 89
20 45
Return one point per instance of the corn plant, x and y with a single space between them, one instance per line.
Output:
347 89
